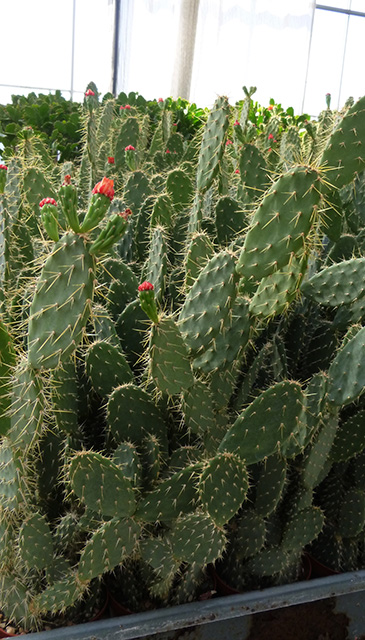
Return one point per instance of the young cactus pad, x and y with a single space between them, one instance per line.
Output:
280 224
60 306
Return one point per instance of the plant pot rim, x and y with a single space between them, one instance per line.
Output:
198 613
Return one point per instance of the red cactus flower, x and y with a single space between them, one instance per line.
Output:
146 286
67 179
270 136
229 142
47 201
235 124
105 187
174 124
270 107
110 160
237 171
4 167
269 149
125 214
160 100
130 148
89 92
167 151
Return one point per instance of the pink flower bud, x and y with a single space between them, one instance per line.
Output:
145 286
89 92
235 124
229 142
270 107
129 148
4 167
67 179
237 171
270 136
47 201
127 106
167 151
160 100
105 187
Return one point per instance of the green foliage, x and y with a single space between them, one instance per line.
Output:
182 371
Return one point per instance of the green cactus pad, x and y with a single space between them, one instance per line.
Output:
230 219
12 476
318 453
212 146
350 314
60 306
280 224
343 156
350 438
126 457
158 553
35 542
65 398
268 562
199 251
151 460
106 367
26 408
180 188
162 213
132 326
249 534
267 423
101 484
132 415
223 487
346 375
276 291
195 538
60 595
342 283
104 326
208 302
198 408
170 365
270 485
7 362
230 341
253 171
302 528
352 513
122 289
156 266
112 543
172 497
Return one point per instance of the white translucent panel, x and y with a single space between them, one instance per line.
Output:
263 44
358 5
36 38
325 62
93 44
353 83
338 4
147 47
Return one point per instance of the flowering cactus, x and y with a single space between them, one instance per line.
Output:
49 217
147 300
3 170
102 195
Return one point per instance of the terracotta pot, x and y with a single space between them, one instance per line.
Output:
224 589
320 570
117 608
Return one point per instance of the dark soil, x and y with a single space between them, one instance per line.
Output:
312 621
